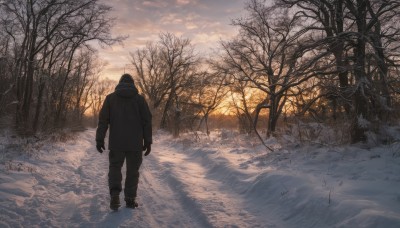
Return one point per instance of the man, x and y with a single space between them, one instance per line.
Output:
129 118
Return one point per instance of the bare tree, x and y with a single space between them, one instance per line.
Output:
97 96
208 91
165 70
46 35
85 76
181 67
150 72
328 17
272 55
6 86
244 100
360 34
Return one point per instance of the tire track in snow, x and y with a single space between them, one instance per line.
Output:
162 200
167 192
212 197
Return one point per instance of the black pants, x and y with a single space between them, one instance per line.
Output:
133 162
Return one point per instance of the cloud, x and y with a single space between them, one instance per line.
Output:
202 21
183 2
191 25
171 19
151 4
202 38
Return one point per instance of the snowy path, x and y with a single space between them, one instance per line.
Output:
68 188
211 200
222 181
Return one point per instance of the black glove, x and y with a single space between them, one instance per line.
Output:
100 146
147 148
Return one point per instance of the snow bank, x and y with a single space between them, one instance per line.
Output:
29 169
294 186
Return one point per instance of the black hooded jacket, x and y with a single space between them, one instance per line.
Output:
129 118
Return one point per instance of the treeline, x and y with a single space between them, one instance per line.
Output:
48 70
336 59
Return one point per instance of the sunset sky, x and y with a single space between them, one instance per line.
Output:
204 22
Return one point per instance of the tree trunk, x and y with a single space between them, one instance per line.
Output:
272 117
362 90
206 122
383 112
163 123
177 122
38 106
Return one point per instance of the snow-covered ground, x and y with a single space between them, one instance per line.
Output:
225 180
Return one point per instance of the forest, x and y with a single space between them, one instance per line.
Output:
327 61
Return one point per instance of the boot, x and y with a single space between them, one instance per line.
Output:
115 203
131 203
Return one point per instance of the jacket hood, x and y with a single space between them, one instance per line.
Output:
126 90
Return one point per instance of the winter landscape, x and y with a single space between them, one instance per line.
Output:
225 180
250 113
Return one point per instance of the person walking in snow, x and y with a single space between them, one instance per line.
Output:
127 114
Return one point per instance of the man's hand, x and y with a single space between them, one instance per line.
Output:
100 146
147 148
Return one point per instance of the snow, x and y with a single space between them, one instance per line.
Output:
224 180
